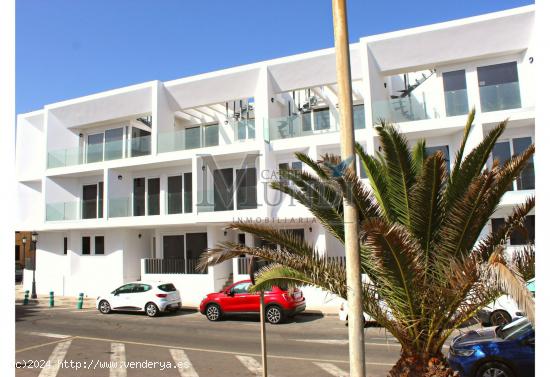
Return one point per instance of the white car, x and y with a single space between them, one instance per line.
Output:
151 297
343 314
500 312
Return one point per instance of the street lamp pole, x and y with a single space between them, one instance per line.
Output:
34 237
351 238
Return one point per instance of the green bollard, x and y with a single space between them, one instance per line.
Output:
51 299
26 299
80 301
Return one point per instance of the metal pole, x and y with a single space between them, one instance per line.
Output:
351 238
262 334
33 289
262 318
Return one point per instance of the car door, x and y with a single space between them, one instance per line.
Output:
123 297
524 355
140 296
238 298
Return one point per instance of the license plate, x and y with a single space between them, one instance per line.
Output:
297 294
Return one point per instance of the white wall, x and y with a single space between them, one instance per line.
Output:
30 146
137 245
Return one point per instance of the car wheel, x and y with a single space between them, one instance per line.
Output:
494 369
213 312
274 315
104 307
500 317
151 309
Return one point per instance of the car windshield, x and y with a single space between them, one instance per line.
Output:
515 329
167 287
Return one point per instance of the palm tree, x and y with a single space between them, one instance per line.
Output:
422 243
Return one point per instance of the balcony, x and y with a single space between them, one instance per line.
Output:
500 97
403 109
456 102
300 125
207 136
171 266
111 150
74 210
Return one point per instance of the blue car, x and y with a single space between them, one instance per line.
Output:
503 351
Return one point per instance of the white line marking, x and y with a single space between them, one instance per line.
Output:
184 365
55 360
251 364
118 359
50 335
332 369
322 341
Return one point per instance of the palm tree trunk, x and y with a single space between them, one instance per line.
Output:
421 365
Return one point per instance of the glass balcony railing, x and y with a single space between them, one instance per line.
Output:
120 207
62 211
456 102
207 136
296 126
500 97
111 150
400 110
75 210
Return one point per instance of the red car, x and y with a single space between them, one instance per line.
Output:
279 303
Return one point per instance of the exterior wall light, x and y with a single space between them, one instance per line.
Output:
120 177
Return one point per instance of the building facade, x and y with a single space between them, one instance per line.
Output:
135 183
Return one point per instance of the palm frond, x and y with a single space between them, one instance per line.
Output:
377 175
460 153
400 175
505 277
418 156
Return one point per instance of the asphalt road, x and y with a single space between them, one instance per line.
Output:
63 341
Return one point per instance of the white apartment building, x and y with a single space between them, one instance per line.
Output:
135 183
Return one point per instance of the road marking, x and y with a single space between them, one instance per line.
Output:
322 341
55 360
251 364
118 359
343 342
40 345
221 351
184 365
50 335
332 369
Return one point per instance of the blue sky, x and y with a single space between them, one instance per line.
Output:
71 48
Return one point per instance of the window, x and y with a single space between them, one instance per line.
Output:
499 87
211 135
241 238
306 121
444 149
192 137
85 245
359 117
321 119
139 196
94 151
296 232
246 188
65 245
241 288
167 287
125 289
187 192
141 142
99 245
100 199
174 194
195 245
294 165
526 180
114 143
17 253
223 189
521 236
140 288
456 96
245 129
89 201
153 196
504 150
